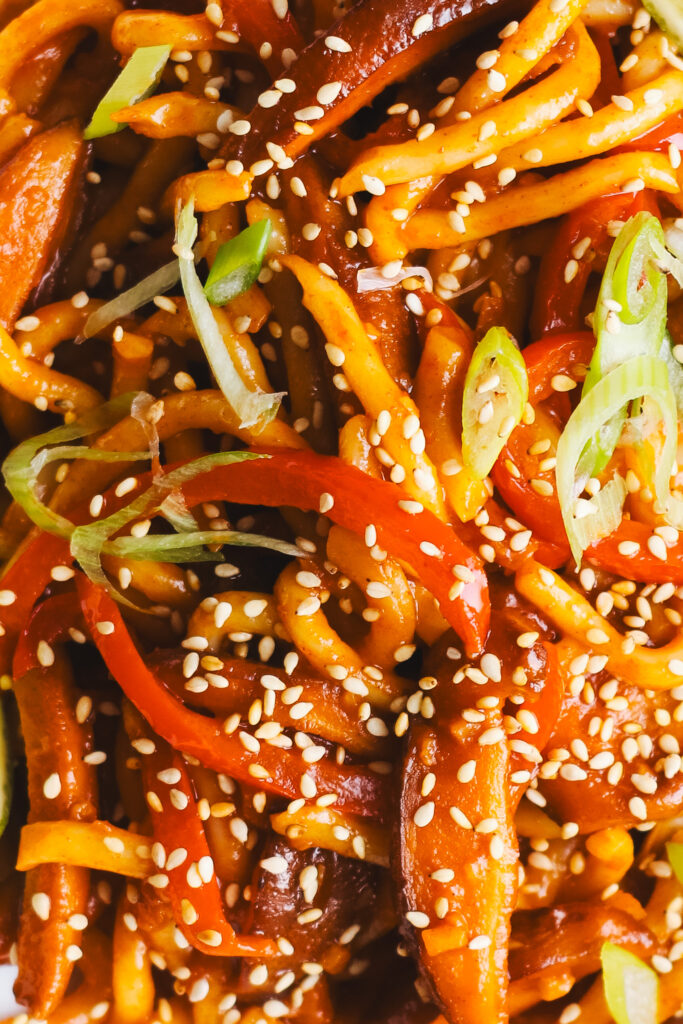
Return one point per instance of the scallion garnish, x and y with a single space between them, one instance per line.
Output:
631 986
638 377
90 542
135 82
253 409
23 466
237 264
132 299
630 318
494 396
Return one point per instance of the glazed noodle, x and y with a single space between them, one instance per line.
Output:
342 600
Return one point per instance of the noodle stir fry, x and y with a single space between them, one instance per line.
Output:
341 601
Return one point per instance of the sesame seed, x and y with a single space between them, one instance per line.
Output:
52 786
424 814
423 24
337 44
636 806
40 904
417 919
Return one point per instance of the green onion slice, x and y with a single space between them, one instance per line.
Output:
253 409
630 318
674 852
90 542
132 299
640 376
495 393
237 264
135 82
631 986
23 466
600 515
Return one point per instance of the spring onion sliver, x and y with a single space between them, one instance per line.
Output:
23 466
642 375
132 299
135 82
189 547
669 17
494 396
600 515
674 852
89 542
237 264
253 409
630 318
631 987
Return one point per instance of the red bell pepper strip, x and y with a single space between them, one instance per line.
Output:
430 547
193 887
359 790
514 470
297 479
643 566
52 621
554 354
557 305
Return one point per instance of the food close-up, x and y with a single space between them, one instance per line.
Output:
341 500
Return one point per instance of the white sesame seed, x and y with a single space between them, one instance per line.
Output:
424 23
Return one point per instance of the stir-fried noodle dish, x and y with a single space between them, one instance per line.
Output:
341 599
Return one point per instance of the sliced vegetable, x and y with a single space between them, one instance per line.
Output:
599 516
674 852
495 393
189 547
630 317
631 987
23 466
91 541
129 301
254 409
638 377
669 16
135 82
237 264
360 790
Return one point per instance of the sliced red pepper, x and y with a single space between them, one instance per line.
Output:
517 467
643 565
382 40
193 888
296 479
359 790
553 354
557 305
430 547
35 187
